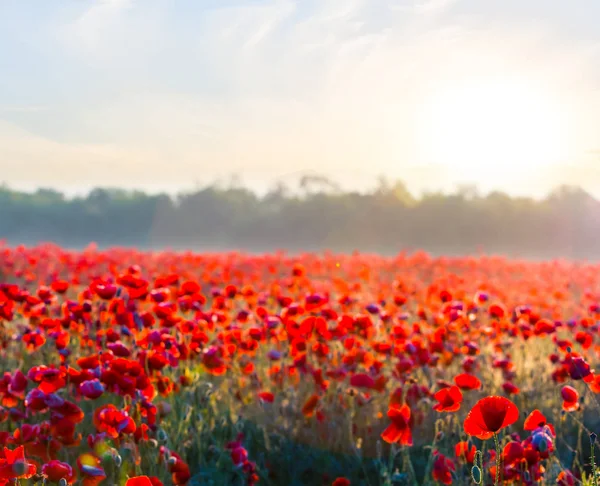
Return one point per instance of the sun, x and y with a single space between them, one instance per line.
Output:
491 124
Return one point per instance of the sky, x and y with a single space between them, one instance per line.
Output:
167 95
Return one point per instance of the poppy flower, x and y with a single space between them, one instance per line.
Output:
399 430
266 396
570 398
535 420
91 389
490 415
14 465
466 451
579 369
512 453
91 469
467 381
510 388
112 421
144 481
542 441
449 399
310 406
566 478
341 482
180 471
443 467
56 470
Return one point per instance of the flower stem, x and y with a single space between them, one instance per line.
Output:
594 474
497 482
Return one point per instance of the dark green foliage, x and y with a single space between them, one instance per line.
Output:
388 219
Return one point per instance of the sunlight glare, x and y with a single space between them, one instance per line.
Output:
488 124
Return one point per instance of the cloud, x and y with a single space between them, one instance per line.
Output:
270 87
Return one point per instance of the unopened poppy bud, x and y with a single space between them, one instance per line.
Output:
172 461
593 437
153 443
161 435
107 460
126 453
20 468
62 482
118 460
398 477
164 408
543 446
476 474
439 436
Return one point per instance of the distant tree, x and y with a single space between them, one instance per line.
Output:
386 219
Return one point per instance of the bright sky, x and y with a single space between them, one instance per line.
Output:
160 95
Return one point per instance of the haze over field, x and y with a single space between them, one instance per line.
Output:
158 95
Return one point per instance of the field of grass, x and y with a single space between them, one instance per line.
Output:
125 367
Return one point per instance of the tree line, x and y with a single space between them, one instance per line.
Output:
387 219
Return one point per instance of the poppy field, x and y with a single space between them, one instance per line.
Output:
124 367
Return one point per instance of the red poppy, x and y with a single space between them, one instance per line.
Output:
570 398
310 406
399 430
535 420
443 468
510 388
91 469
112 421
266 396
490 415
144 481
14 465
449 399
466 451
91 389
566 478
512 453
467 382
341 482
57 470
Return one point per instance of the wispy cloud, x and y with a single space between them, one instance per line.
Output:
269 87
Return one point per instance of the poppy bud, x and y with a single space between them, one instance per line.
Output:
543 446
107 460
153 443
172 461
593 437
126 453
476 474
118 460
20 468
161 436
398 477
62 482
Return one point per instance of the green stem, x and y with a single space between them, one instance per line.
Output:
497 460
594 480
